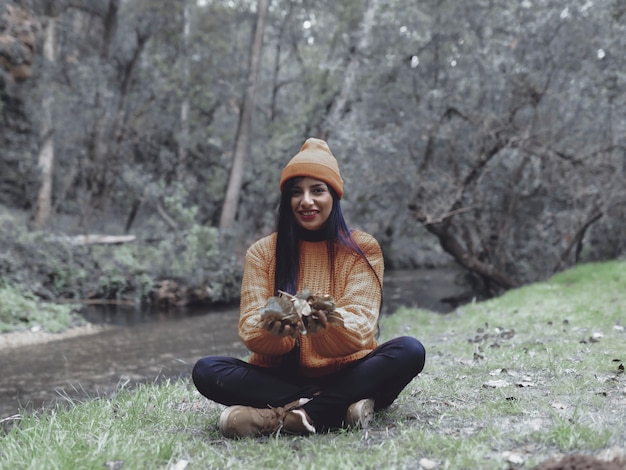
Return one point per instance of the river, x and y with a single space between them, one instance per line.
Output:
135 346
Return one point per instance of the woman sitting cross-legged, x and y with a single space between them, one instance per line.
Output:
320 369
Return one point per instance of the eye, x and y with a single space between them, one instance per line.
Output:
319 190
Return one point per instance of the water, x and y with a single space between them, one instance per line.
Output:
138 347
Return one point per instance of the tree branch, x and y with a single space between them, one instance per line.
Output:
577 241
469 261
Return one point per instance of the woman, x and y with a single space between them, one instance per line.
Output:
323 370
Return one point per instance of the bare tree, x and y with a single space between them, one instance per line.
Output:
183 141
96 172
42 212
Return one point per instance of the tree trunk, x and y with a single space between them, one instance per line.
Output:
242 139
96 175
453 246
183 142
277 61
41 214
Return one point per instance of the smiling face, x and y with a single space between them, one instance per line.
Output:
311 203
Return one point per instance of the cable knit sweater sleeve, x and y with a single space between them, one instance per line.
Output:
358 297
256 287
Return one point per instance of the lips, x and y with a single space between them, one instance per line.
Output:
308 214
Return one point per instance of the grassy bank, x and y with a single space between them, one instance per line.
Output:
21 311
508 383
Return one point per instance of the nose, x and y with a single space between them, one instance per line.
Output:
307 199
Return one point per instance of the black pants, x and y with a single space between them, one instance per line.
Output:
380 375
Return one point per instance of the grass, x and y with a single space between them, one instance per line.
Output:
508 383
22 310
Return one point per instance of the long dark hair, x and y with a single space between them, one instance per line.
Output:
335 232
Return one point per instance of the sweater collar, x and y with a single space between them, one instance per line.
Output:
311 235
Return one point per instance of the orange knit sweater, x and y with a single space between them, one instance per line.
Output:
357 296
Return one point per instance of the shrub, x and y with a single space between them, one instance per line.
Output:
22 310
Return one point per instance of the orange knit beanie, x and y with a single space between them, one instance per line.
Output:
316 161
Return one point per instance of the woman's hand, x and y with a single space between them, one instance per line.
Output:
283 328
315 321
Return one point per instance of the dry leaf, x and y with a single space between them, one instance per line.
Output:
322 302
496 384
428 464
513 457
180 465
277 308
291 308
113 464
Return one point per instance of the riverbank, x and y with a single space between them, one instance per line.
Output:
510 383
15 339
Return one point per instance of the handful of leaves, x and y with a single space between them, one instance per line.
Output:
303 308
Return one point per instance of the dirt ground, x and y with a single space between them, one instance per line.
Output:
582 462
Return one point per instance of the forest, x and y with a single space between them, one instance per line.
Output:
141 141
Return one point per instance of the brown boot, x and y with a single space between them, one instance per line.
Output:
298 422
360 414
242 421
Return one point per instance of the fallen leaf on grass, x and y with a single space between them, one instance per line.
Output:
608 378
428 464
180 465
513 457
559 406
496 384
595 337
113 464
523 379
